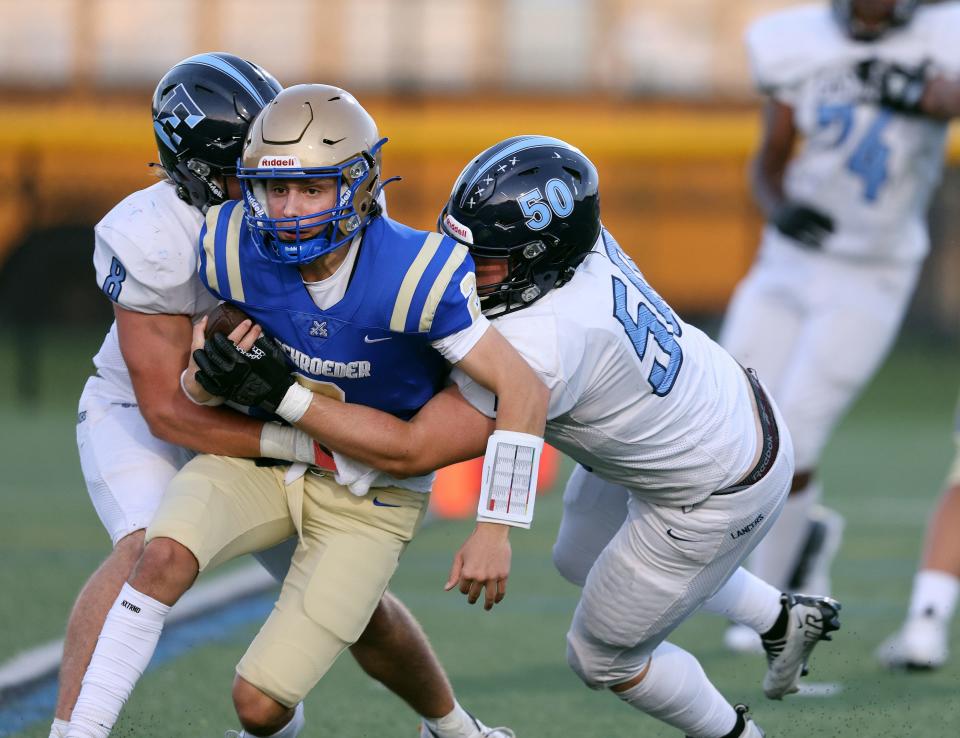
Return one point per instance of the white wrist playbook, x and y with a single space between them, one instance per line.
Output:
508 487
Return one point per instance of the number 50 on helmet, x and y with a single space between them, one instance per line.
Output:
532 201
311 132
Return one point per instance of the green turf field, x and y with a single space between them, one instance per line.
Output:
882 471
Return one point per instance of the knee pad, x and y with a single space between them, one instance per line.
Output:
580 661
601 665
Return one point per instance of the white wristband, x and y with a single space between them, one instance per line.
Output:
212 402
508 487
295 403
286 443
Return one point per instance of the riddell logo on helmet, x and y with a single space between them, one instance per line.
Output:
458 229
275 162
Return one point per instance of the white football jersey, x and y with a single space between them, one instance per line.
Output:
146 256
636 395
871 169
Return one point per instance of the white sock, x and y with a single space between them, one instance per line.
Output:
59 728
934 592
775 557
748 600
676 690
126 644
290 730
457 724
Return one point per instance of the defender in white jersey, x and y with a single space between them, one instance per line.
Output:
136 429
863 90
689 461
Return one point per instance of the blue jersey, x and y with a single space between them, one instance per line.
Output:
373 347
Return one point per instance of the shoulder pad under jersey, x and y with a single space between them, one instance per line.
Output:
787 46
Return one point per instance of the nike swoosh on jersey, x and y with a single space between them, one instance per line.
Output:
678 538
367 339
378 503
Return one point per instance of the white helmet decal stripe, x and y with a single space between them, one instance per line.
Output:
528 142
216 62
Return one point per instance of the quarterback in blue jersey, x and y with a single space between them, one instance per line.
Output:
361 308
369 338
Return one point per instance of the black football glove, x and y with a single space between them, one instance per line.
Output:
803 224
259 377
893 86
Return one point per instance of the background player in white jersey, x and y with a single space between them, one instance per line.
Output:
690 461
863 90
923 641
367 308
136 429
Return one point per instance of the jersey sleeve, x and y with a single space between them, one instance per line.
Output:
145 269
554 360
457 345
784 47
436 292
459 305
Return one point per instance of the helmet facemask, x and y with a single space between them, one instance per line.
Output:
212 177
532 269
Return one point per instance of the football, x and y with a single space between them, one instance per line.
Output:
223 319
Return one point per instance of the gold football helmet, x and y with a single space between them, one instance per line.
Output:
311 132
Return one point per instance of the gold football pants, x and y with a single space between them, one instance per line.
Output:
220 508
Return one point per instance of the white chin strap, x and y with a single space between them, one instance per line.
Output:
509 485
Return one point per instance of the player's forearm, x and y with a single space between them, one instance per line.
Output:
522 403
370 436
445 430
206 430
766 182
512 456
155 349
768 167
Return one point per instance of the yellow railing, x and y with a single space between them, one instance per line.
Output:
673 185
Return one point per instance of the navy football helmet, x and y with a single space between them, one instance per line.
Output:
533 201
868 20
201 110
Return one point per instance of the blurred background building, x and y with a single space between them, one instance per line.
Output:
656 92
